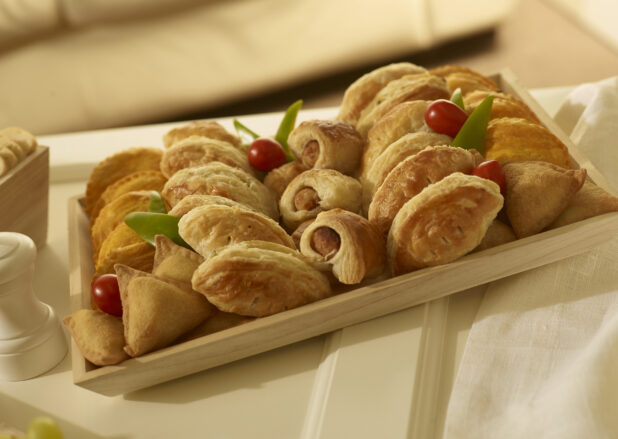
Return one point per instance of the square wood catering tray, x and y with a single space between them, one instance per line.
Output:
365 302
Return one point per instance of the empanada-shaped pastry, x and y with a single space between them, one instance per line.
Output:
156 312
464 78
407 117
326 144
257 278
407 88
412 175
537 193
444 222
192 201
504 105
316 190
117 166
119 241
358 95
174 262
137 181
347 241
218 321
217 178
497 234
195 151
279 178
204 128
22 137
589 201
208 228
395 153
99 336
516 139
18 151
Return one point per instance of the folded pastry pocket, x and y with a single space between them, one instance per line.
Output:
279 178
155 312
192 201
23 138
195 151
464 78
327 144
442 223
316 190
353 246
174 262
497 234
218 321
503 105
99 336
217 178
412 175
204 128
124 246
537 193
589 201
258 278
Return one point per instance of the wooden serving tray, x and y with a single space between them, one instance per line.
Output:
363 303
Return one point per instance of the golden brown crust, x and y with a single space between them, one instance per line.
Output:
114 245
464 78
205 128
589 201
497 234
503 105
279 178
174 262
190 202
22 137
412 175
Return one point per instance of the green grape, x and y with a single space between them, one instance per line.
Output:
43 428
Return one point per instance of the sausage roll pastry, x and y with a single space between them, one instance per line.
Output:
444 222
516 139
217 178
279 178
358 95
537 193
464 78
316 190
325 144
504 105
257 278
347 241
209 228
589 201
195 151
412 175
174 262
204 128
18 151
298 233
407 88
22 137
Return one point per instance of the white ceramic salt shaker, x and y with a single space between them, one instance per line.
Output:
31 338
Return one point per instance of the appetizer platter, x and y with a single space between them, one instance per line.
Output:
428 182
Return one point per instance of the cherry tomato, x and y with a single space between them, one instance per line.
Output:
266 154
492 170
106 294
445 117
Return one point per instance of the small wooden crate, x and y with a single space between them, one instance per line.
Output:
24 197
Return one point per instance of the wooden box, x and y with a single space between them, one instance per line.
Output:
365 302
24 194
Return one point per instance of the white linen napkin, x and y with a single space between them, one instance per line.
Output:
541 360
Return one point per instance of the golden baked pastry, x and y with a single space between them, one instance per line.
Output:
503 105
298 233
358 95
117 166
516 139
204 128
412 175
316 190
326 144
194 151
464 78
407 88
497 234
174 262
8 159
208 228
22 137
257 278
348 242
99 336
444 222
218 321
192 201
122 245
279 178
18 151
537 193
217 178
589 201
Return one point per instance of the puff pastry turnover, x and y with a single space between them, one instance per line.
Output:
464 78
192 201
504 105
174 262
204 128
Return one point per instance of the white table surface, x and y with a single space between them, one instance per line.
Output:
388 377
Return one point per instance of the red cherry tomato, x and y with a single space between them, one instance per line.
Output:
445 117
106 294
266 154
492 170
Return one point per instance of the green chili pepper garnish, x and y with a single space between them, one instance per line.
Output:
473 131
156 203
457 99
286 126
246 134
149 224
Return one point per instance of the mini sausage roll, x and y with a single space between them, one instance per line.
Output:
257 278
444 222
358 95
464 78
347 241
217 178
326 144
504 105
204 128
316 190
195 151
407 88
412 175
209 228
279 178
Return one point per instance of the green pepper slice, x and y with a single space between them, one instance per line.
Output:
473 131
457 99
149 224
246 134
286 126
156 203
